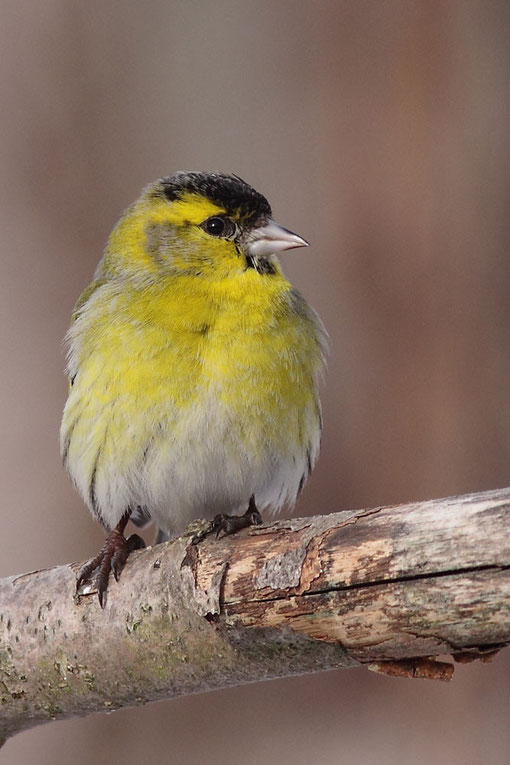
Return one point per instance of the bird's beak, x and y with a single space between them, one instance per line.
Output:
270 239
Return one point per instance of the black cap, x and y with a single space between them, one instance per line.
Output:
227 191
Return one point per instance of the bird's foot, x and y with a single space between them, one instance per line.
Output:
94 575
229 524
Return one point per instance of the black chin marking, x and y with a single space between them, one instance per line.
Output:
261 265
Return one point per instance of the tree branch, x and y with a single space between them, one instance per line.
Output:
380 587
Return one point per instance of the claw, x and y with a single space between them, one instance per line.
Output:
94 575
229 524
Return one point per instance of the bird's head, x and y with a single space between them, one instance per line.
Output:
204 224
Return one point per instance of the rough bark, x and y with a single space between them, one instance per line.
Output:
380 587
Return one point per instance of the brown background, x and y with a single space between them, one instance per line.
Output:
380 132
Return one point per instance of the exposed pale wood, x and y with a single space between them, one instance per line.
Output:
387 587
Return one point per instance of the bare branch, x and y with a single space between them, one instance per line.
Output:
388 587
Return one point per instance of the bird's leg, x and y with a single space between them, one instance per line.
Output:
229 524
94 575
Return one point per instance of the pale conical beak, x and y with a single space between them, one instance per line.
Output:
270 239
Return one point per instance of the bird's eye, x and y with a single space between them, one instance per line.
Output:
217 226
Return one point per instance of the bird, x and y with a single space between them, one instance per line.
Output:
194 369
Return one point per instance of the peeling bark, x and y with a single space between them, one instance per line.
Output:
388 588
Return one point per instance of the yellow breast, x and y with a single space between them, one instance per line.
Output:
150 359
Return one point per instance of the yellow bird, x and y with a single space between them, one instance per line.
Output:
193 367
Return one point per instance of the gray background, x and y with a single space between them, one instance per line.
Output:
379 131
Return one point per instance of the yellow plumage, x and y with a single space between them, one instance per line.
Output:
194 363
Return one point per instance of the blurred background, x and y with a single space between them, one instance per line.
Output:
380 132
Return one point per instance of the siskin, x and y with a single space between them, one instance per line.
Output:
193 367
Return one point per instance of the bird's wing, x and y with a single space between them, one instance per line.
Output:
85 297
